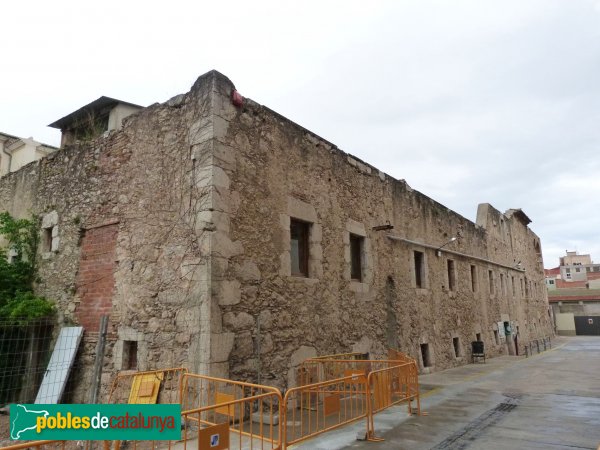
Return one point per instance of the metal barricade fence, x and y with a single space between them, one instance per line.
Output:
316 408
396 355
378 384
242 415
247 414
252 416
319 370
391 386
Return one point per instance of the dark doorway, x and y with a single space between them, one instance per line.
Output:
587 326
425 355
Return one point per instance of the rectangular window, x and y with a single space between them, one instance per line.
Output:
551 281
491 281
419 269
456 345
47 239
502 286
451 275
356 257
496 337
299 233
474 278
130 349
512 282
425 355
478 337
577 270
568 270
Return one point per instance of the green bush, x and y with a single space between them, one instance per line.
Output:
26 306
17 300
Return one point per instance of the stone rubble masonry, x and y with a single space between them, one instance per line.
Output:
189 206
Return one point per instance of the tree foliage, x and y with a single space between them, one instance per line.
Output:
17 276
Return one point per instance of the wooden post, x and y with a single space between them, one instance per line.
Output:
97 374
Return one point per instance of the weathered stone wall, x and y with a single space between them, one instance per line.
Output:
200 195
145 184
281 171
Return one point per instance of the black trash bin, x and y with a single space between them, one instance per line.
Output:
477 350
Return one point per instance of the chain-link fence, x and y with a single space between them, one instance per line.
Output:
36 359
24 354
38 364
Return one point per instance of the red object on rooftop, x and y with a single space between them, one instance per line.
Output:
236 98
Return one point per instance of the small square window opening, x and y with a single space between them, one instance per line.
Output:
130 350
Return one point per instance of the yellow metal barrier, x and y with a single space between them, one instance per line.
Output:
152 386
316 408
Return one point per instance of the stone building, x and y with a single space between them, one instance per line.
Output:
219 235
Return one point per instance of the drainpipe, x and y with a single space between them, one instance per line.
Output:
7 154
258 358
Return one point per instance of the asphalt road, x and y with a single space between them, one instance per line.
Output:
549 401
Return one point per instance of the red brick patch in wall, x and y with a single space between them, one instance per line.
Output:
95 279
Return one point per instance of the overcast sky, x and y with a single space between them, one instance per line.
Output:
468 101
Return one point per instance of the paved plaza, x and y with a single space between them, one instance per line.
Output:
549 401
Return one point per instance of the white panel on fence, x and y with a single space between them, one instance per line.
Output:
61 361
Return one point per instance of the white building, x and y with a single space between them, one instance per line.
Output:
16 152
